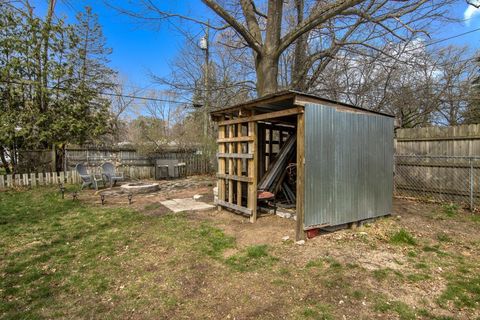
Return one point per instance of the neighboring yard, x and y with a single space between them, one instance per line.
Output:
66 259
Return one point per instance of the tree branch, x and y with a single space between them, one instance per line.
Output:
319 15
163 15
235 24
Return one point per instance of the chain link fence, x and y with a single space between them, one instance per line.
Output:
446 179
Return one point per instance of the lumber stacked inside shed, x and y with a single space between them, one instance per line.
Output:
280 178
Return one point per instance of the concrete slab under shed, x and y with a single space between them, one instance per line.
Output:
179 205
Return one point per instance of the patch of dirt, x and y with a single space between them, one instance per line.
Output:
369 265
169 189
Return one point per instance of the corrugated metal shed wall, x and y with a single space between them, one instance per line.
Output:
348 166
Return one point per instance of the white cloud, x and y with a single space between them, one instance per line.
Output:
469 13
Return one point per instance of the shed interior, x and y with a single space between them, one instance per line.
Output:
261 154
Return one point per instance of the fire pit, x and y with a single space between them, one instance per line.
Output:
140 187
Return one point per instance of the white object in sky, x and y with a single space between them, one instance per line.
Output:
203 43
471 12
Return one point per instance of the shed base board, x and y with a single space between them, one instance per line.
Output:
348 225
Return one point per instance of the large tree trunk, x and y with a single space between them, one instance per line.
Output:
266 62
267 75
300 54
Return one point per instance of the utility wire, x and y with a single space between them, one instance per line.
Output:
452 37
103 93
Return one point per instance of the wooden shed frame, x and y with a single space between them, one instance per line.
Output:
238 152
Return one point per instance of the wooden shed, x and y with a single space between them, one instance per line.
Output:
329 161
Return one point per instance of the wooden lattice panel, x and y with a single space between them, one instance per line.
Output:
237 167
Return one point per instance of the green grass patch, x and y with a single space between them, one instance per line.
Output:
435 248
152 206
421 265
412 254
66 259
333 264
214 241
403 310
358 295
443 237
462 290
47 242
417 277
319 311
381 274
450 210
315 263
402 237
475 218
251 258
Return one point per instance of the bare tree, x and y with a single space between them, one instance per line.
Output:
419 86
454 74
328 27
122 102
152 128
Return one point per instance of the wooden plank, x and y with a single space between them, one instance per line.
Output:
33 180
323 225
252 172
263 116
438 138
235 155
270 147
25 179
234 207
231 149
299 231
2 181
9 180
221 166
261 150
235 139
41 180
239 165
254 103
54 178
234 177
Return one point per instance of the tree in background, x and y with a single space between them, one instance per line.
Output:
228 84
472 114
420 85
319 30
51 79
152 129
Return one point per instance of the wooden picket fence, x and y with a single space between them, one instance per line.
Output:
38 179
69 177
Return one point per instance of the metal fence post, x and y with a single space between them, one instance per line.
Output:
471 184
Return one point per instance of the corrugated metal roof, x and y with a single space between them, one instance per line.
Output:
284 99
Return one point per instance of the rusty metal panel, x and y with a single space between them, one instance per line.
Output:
348 166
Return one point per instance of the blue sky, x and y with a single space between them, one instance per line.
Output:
139 50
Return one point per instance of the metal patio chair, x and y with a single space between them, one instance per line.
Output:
110 175
87 179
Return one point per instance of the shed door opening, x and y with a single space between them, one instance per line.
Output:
277 168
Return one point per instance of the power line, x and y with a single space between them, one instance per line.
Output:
102 93
452 37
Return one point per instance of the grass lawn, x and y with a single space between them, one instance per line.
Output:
70 259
